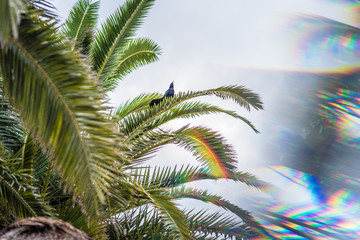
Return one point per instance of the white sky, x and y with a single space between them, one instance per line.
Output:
208 43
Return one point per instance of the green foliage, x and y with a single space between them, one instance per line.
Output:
18 198
206 225
138 52
11 131
145 119
82 18
115 33
10 11
64 155
61 105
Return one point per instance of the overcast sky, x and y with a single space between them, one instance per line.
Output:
207 44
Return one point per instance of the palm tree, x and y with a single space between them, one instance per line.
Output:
61 155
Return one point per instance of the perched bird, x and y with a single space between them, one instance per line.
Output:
156 101
169 93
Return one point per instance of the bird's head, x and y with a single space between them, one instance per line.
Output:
172 84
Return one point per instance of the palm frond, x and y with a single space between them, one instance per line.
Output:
188 110
165 177
210 148
10 11
115 34
81 20
12 132
137 122
239 94
138 52
44 170
207 146
29 152
85 45
203 195
145 146
172 217
170 177
203 224
138 223
251 180
64 110
45 8
71 212
16 195
136 104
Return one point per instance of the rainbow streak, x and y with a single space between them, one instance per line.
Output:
315 217
348 179
302 179
353 9
345 200
292 175
217 167
323 44
332 219
342 110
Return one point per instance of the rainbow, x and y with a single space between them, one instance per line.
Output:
216 165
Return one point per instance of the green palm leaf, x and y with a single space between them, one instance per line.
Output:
203 195
182 110
45 8
12 132
210 148
136 104
145 146
81 20
16 194
29 153
138 223
138 52
166 177
207 146
136 123
203 224
173 218
64 109
10 11
71 212
115 34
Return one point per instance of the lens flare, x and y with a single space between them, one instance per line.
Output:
348 179
324 45
304 180
333 219
342 111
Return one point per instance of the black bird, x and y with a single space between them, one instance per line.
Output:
156 101
169 93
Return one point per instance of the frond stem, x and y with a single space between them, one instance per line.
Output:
130 56
117 40
152 146
19 196
78 30
150 119
53 86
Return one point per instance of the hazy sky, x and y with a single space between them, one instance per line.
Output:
207 44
